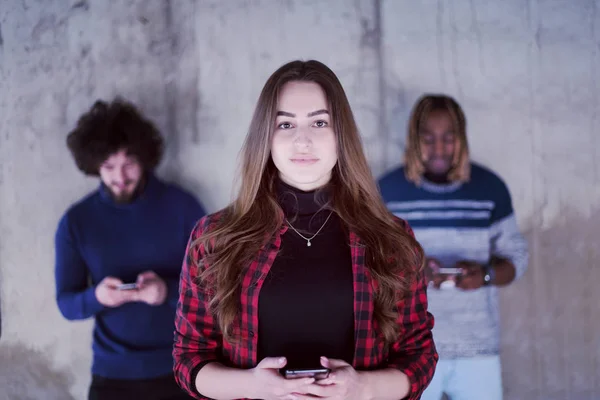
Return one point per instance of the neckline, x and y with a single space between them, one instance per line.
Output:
296 202
439 187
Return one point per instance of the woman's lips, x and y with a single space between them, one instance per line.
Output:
304 160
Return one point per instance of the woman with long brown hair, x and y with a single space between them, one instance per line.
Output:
306 268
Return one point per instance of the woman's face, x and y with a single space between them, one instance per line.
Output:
304 145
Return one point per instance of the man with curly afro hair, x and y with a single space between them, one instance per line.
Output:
119 252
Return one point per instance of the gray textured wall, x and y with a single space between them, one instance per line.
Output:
526 72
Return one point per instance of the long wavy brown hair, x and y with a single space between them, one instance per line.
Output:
393 256
413 158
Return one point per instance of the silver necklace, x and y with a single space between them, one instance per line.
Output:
308 244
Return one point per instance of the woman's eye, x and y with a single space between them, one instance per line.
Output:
449 138
321 124
284 125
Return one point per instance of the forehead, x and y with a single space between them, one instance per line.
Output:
301 98
437 120
120 156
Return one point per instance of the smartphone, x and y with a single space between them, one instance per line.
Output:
296 373
450 271
128 286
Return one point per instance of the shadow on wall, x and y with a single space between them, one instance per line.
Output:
27 374
557 293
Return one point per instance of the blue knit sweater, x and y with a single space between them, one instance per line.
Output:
97 238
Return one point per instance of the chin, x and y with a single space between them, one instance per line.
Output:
122 197
316 181
438 171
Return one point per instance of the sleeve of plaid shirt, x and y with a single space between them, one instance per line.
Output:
197 333
414 353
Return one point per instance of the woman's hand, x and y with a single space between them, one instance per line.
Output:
343 383
268 384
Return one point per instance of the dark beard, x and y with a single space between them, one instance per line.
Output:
123 198
127 198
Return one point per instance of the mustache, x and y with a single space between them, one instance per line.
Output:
125 183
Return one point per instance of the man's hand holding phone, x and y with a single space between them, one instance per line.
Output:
472 276
109 292
151 288
148 288
441 277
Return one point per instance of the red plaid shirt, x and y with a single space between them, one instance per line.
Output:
198 338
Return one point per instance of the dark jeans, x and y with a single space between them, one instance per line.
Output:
161 388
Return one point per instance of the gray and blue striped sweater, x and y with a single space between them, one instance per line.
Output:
453 222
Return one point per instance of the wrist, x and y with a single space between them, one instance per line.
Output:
252 390
216 381
489 275
366 385
101 299
163 294
92 298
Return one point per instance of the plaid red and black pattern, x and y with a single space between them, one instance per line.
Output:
198 337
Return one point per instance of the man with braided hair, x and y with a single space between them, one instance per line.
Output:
462 215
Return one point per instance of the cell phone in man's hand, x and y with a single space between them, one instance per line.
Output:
296 373
450 271
128 286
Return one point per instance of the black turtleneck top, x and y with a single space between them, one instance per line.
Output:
306 304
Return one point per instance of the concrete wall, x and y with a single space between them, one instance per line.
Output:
526 72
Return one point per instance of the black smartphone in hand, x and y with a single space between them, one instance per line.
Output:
127 286
296 373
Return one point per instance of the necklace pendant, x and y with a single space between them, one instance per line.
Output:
308 243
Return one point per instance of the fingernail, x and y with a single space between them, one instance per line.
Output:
309 381
281 360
